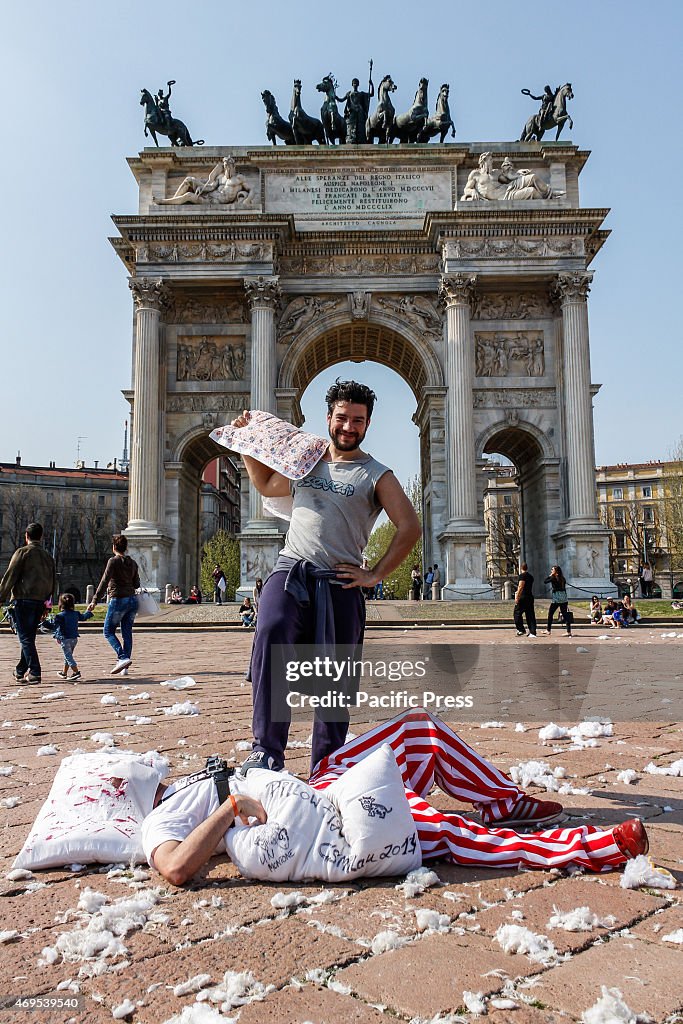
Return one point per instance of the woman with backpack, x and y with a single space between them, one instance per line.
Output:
558 586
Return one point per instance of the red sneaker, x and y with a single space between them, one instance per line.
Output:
530 811
631 838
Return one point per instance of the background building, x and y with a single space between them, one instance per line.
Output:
642 506
502 521
220 498
80 510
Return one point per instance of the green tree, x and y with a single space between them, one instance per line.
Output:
224 550
381 537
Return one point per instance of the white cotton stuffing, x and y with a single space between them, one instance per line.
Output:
387 940
498 1003
139 696
186 708
18 874
200 1013
139 719
181 683
53 696
520 727
124 1009
642 871
474 1002
10 801
108 698
417 881
6 769
537 773
91 901
675 768
514 938
552 732
610 1009
105 738
236 989
431 920
492 725
8 936
47 750
628 776
581 919
591 730
194 984
243 745
287 900
676 936
582 650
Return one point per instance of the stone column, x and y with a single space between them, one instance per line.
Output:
263 295
456 295
572 290
149 296
464 537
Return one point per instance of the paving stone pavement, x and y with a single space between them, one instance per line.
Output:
316 964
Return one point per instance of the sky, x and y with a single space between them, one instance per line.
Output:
71 76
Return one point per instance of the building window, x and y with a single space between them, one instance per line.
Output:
620 539
75 499
618 517
100 499
618 493
99 521
507 499
49 497
509 522
648 514
647 491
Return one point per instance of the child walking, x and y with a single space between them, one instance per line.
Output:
66 633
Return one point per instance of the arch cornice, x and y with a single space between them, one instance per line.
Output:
332 322
522 426
205 450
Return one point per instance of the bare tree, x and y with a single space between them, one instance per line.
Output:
503 542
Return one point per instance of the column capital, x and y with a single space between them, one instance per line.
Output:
262 292
457 289
149 293
572 287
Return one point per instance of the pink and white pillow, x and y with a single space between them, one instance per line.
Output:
274 442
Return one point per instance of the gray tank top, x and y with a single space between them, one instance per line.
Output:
335 508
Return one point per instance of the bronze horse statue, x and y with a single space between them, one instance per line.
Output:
407 127
175 129
555 116
333 123
442 120
276 126
380 123
306 130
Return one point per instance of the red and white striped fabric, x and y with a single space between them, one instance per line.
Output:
428 752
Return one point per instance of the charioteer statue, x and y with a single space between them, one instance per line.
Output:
553 112
159 119
356 110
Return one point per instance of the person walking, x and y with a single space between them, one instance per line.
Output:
524 603
66 633
256 594
120 580
219 584
558 586
30 582
646 580
313 595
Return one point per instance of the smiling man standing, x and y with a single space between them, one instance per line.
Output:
313 595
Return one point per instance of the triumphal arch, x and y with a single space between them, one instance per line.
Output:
465 268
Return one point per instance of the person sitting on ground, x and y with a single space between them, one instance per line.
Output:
608 613
195 596
189 824
176 595
629 613
247 613
595 610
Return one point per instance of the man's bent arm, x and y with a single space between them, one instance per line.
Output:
267 481
12 575
177 861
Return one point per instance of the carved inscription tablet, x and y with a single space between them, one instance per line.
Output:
368 194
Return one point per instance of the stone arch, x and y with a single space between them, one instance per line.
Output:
533 454
381 338
196 444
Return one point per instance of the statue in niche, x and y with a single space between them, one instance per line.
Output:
506 183
224 186
590 562
210 361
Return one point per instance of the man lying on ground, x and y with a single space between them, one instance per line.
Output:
190 824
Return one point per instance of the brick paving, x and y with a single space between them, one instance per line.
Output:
316 964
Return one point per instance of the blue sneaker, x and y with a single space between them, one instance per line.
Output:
260 759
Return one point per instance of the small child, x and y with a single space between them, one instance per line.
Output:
66 633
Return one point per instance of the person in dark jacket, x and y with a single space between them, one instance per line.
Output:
66 633
524 603
120 580
558 586
29 582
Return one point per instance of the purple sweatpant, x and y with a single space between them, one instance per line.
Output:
282 621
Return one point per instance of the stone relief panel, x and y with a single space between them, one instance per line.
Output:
204 252
207 403
509 354
206 310
211 357
527 398
511 306
301 311
374 264
419 312
512 248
